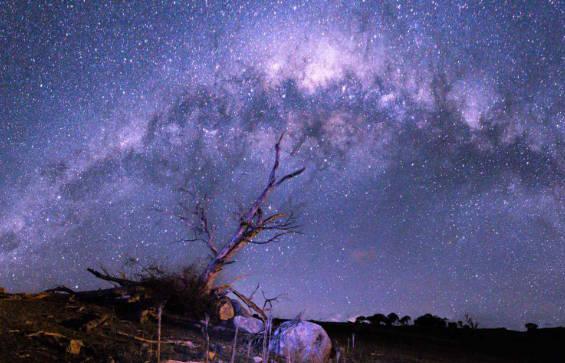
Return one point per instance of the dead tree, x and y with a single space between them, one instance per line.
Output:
252 224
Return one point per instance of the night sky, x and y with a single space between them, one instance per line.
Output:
432 133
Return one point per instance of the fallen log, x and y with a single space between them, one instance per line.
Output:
247 301
93 295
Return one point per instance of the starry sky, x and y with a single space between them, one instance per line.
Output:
432 133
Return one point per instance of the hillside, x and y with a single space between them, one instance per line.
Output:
55 327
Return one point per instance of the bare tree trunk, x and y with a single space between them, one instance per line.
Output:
252 223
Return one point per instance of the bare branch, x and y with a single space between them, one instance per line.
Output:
196 219
247 301
272 239
107 277
151 341
254 291
252 223
62 289
268 304
290 176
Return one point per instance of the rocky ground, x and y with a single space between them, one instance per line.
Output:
54 327
57 327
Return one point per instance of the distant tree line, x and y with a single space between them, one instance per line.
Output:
424 321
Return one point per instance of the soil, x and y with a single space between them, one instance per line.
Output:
54 327
59 327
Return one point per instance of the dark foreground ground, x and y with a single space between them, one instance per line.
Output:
57 328
411 344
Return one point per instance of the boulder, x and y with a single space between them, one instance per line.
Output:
301 341
248 324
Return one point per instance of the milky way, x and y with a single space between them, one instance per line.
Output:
432 134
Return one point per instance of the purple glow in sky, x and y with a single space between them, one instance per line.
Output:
432 134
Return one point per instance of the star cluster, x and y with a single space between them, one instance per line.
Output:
432 134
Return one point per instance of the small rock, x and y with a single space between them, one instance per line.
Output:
257 359
248 324
74 347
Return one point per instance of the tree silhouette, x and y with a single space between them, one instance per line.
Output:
378 319
392 319
361 319
531 326
473 324
430 321
405 320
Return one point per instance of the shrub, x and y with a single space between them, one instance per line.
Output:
182 292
